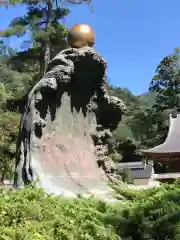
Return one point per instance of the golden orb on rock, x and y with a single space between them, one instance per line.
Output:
81 35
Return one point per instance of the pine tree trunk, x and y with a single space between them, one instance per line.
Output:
47 55
2 176
47 52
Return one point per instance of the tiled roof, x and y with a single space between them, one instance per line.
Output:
131 165
171 144
139 170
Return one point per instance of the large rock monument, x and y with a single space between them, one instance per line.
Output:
69 116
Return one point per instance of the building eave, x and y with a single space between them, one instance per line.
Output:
171 146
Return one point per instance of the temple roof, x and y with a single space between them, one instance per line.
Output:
171 146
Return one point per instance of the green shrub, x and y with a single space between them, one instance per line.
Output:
150 215
31 215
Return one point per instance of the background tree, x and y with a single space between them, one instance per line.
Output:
149 127
47 34
9 122
166 83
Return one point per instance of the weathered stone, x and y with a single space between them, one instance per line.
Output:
65 125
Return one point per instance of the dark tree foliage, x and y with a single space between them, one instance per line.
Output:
42 22
166 83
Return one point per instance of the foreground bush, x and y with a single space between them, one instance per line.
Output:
29 214
150 214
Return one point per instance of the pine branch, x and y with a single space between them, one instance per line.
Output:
35 25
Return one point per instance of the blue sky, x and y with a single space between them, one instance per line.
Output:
133 36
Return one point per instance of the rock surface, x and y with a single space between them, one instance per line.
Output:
66 122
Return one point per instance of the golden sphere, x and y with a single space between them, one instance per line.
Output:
81 35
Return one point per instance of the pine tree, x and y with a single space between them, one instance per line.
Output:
166 83
47 34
